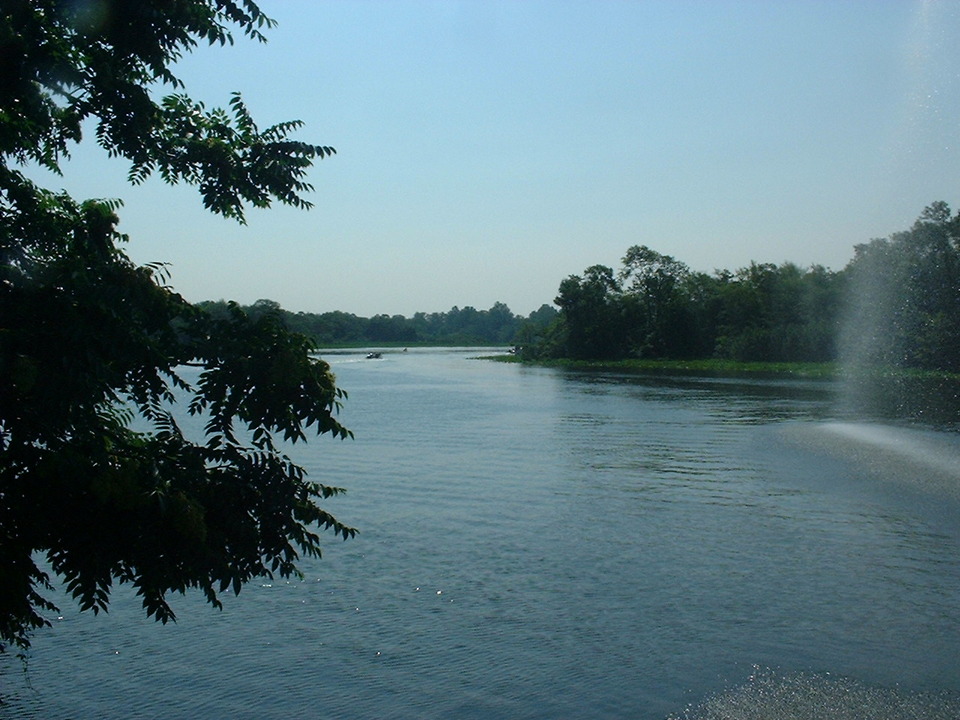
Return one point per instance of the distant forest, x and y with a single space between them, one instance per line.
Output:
896 304
458 326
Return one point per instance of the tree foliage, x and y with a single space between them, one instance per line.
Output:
905 300
656 307
592 308
90 342
898 300
457 326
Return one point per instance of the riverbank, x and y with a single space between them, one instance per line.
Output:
921 396
712 367
735 368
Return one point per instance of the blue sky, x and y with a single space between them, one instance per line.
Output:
486 150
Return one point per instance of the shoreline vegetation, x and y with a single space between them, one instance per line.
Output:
706 367
733 368
893 312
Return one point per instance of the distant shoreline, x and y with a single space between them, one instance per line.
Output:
397 345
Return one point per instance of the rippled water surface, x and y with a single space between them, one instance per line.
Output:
544 544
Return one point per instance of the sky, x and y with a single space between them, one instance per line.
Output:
487 150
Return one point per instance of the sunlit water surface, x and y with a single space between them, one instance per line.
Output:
544 544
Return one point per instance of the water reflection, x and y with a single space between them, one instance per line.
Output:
932 401
756 400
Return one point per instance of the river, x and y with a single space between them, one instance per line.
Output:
539 543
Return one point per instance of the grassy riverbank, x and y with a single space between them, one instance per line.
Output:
723 368
733 368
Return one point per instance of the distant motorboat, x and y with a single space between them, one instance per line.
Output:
374 356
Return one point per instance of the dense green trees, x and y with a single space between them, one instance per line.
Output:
905 296
89 340
656 307
457 326
779 313
594 315
899 299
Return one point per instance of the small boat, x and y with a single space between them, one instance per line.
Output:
374 356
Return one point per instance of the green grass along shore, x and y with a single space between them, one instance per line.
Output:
730 368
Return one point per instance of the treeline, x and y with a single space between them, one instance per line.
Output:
458 326
897 303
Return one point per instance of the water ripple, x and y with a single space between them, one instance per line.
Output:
539 544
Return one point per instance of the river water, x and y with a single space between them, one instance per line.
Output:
538 543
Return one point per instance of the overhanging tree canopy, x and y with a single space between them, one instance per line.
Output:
88 339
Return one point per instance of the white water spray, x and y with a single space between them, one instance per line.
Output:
807 696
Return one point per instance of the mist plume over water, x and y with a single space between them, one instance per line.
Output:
899 340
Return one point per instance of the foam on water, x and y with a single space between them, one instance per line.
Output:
768 695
